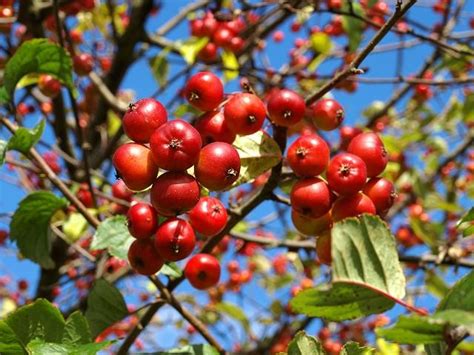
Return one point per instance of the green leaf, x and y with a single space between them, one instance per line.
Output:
114 236
424 231
303 344
353 348
234 312
353 26
172 270
435 201
37 56
201 349
190 49
184 109
43 323
457 317
371 3
468 108
9 342
39 347
230 65
414 330
460 296
435 284
427 330
386 348
340 302
160 67
105 306
30 225
76 330
74 226
37 320
28 80
25 138
367 275
3 151
364 251
321 43
466 223
258 153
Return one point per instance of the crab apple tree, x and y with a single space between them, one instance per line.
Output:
236 177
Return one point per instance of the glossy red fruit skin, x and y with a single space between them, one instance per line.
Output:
347 133
209 24
143 257
352 206
311 197
237 44
175 145
203 271
204 91
121 191
286 107
49 85
308 155
208 217
175 239
142 220
83 64
84 195
310 226
213 128
135 166
244 113
369 147
208 54
218 166
382 193
323 247
196 27
174 193
346 174
222 37
143 118
327 114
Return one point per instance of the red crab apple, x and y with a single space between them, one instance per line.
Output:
327 114
369 147
134 164
142 220
352 206
308 155
346 174
311 197
244 113
175 145
143 257
203 271
83 64
218 166
208 217
204 91
286 107
174 193
175 239
143 118
49 85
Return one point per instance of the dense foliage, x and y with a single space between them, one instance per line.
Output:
226 176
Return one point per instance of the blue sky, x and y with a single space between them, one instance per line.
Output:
140 79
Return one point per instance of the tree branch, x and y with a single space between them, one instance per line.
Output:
352 68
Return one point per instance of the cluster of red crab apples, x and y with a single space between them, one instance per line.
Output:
180 161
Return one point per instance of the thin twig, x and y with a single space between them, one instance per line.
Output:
352 68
